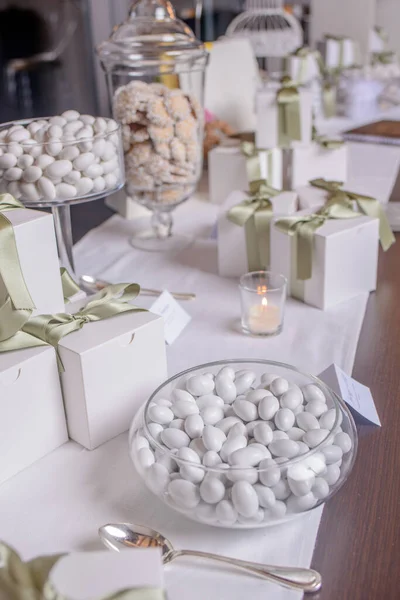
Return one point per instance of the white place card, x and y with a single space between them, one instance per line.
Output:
357 396
175 318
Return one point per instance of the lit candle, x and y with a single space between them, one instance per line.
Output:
264 318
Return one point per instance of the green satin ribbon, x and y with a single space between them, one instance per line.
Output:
329 94
303 228
383 58
18 305
304 54
366 204
253 165
253 162
255 215
30 580
50 329
289 118
69 286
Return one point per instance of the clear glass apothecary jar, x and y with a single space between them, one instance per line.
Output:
155 70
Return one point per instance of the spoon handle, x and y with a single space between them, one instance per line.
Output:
305 580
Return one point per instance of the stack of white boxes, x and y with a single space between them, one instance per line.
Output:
107 363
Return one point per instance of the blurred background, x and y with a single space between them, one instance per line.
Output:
47 63
46 60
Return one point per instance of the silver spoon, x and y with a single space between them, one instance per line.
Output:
121 535
92 285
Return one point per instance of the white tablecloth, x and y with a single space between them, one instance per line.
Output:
58 503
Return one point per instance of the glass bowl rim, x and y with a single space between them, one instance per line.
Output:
338 402
25 122
269 289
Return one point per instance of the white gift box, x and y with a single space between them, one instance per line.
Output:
111 368
227 170
303 70
339 53
311 161
37 251
32 418
127 207
267 128
94 575
345 260
232 249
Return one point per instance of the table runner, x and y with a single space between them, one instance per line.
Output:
58 503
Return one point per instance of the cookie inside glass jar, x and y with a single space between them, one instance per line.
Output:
162 137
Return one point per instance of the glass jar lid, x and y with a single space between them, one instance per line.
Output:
151 36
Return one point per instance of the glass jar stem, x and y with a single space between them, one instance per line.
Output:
63 228
162 222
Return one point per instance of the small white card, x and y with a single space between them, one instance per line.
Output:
175 318
357 396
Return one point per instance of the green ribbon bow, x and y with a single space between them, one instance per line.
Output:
303 228
383 58
304 53
50 329
289 118
69 286
30 580
366 204
18 305
255 215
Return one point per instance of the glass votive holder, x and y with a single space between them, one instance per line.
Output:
263 298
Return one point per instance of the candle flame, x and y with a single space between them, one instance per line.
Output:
264 302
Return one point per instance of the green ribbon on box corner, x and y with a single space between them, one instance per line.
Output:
304 53
69 285
253 162
50 329
329 99
303 228
255 215
30 580
366 204
289 118
18 304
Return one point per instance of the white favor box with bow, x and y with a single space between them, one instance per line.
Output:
267 128
94 575
32 418
345 260
314 160
227 170
339 53
232 248
303 70
111 368
37 251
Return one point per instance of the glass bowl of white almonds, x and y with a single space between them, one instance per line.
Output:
243 443
61 160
